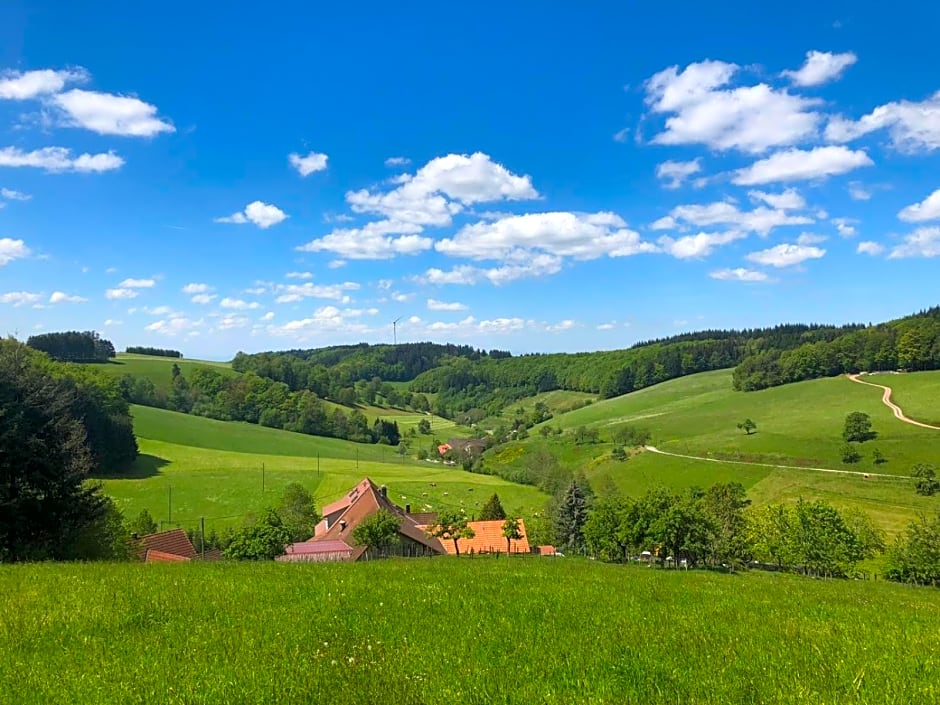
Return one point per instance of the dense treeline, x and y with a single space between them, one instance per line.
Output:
254 399
158 352
911 343
73 346
716 527
347 364
59 425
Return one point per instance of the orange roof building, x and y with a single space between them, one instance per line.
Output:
174 542
332 539
488 538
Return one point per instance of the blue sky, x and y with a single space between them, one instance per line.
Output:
533 176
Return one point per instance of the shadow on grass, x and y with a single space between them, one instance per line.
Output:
145 466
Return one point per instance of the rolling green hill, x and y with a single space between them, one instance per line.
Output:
157 369
799 425
196 467
918 394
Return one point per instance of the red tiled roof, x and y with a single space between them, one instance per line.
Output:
174 541
326 546
351 496
545 550
154 556
488 538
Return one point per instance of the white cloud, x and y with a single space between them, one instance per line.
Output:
923 242
12 195
306 165
788 200
203 298
385 284
238 304
820 67
299 275
372 241
786 255
810 239
870 248
264 215
20 298
700 245
761 220
749 118
402 298
912 126
59 159
563 234
606 326
121 294
137 283
232 321
109 114
16 85
175 326
292 293
324 319
739 275
858 192
800 165
928 209
676 173
11 249
267 317
336 263
845 226
561 326
161 311
441 188
196 288
537 266
435 305
111 322
397 161
60 297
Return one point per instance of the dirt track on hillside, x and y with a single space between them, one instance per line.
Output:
886 400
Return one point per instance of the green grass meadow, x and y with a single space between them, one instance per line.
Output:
192 467
917 393
523 630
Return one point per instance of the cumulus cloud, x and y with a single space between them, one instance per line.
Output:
537 266
16 85
292 293
820 67
761 220
238 304
20 298
299 275
928 209
801 165
786 255
308 164
563 234
264 215
674 174
788 200
739 275
60 159
702 109
138 283
912 126
12 195
699 245
196 288
120 293
435 305
11 249
111 322
60 297
397 161
857 192
109 114
561 326
870 248
203 298
923 242
324 319
172 327
845 226
336 263
382 239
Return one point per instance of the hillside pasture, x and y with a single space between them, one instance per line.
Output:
514 630
917 393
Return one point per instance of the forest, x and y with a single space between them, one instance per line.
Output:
73 346
157 352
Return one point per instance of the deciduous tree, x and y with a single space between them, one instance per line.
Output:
451 526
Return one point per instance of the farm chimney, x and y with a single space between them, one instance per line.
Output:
384 490
342 525
407 509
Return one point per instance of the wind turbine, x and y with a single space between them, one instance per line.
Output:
395 330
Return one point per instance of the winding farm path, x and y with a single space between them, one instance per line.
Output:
886 400
657 451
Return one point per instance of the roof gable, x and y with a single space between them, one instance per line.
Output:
174 541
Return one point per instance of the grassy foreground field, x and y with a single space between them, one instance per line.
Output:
197 467
524 630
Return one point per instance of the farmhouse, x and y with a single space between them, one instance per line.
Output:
332 539
166 547
472 447
487 538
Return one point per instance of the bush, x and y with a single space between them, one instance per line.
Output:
850 454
